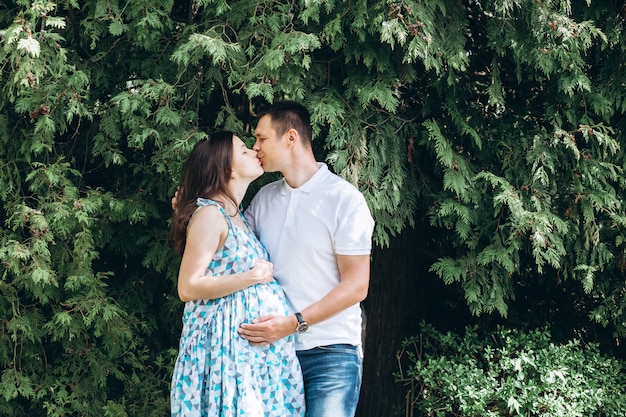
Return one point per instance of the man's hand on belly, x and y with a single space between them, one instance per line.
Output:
267 329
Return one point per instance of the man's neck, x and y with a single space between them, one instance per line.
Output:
301 172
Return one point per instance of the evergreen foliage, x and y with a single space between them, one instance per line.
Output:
508 373
498 121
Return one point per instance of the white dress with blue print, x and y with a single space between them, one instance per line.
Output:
217 372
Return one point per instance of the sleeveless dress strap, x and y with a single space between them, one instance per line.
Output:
203 202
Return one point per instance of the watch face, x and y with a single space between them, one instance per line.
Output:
303 326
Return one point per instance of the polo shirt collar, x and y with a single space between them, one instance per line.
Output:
311 184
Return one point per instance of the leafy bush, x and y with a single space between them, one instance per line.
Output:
508 372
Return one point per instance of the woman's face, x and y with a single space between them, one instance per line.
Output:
245 161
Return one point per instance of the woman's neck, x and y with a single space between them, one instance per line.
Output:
231 207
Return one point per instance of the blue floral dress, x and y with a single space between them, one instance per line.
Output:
217 372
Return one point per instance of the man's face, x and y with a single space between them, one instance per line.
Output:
269 146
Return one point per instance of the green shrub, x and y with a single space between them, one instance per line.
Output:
508 372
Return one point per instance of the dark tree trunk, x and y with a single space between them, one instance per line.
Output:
402 293
393 295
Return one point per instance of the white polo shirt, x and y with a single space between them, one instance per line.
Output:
303 230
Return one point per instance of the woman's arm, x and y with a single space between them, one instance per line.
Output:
207 233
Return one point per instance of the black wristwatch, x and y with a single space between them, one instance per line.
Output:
302 326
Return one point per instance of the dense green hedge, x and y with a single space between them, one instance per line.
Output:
509 373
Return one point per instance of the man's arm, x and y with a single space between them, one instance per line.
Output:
354 272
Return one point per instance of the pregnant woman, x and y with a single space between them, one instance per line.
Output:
226 279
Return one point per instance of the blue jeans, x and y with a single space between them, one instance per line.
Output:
332 379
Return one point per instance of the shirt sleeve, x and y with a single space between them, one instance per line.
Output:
355 226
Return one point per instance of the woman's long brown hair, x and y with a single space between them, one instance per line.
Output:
206 174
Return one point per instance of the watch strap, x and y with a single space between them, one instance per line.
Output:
300 318
302 326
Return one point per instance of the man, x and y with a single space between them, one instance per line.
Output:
317 229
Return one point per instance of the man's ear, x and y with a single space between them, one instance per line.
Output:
292 136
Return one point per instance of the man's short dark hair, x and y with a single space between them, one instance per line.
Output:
288 114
